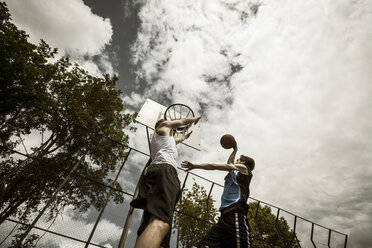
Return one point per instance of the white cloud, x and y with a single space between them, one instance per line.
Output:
299 105
69 26
134 99
76 225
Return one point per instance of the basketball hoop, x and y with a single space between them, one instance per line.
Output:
178 111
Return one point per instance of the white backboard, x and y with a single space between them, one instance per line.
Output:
152 111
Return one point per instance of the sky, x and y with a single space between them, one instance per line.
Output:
291 80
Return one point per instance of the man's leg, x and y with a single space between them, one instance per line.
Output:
236 230
213 237
153 234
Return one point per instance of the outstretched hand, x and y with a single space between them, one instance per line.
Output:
187 165
197 119
235 146
188 135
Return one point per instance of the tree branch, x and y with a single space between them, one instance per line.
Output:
23 145
56 148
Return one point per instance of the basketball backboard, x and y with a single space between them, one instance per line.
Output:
152 111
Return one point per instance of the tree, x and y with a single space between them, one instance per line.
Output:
194 216
266 231
79 115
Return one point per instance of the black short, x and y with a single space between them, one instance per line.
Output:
158 194
231 231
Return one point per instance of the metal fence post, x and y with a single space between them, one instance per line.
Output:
345 241
329 238
255 220
277 228
312 234
210 191
294 230
183 186
106 201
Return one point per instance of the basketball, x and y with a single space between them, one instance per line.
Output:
227 141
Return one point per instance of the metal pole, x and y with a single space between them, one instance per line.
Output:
184 182
277 217
19 243
210 191
294 225
312 233
294 231
258 206
124 234
106 201
128 220
329 238
345 241
148 140
277 228
257 228
183 186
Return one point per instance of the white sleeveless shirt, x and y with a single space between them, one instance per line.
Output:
163 150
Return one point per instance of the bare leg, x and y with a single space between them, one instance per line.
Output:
153 234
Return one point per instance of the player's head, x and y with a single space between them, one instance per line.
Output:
248 161
158 123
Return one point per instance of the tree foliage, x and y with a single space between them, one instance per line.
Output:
267 231
76 113
196 210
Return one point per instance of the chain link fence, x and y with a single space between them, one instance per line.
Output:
114 224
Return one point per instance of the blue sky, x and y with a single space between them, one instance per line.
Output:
291 83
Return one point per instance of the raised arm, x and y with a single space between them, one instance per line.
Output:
181 138
166 127
231 158
211 166
181 122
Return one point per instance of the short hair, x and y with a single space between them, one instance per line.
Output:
158 123
248 161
